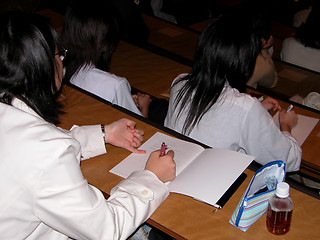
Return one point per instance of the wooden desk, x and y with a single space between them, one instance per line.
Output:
183 41
170 37
145 70
294 80
180 216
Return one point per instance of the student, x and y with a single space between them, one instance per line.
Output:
43 192
90 34
264 73
209 105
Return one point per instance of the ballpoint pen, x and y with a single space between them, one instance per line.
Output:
163 149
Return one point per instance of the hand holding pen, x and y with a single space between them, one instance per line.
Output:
288 119
162 164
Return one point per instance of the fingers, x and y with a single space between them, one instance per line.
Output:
130 124
135 99
274 103
138 132
136 143
137 137
135 150
163 167
277 107
170 153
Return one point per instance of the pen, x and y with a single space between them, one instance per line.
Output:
289 108
260 99
163 149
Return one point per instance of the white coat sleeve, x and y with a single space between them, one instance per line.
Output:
68 204
90 139
124 98
262 138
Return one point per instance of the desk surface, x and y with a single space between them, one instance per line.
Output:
182 41
145 70
294 80
180 216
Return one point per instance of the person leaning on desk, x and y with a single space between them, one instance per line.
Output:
210 104
43 192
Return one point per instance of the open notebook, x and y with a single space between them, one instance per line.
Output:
204 174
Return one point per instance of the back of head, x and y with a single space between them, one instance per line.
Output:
90 33
227 51
308 33
261 25
27 66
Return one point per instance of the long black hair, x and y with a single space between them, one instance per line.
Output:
90 34
27 63
226 53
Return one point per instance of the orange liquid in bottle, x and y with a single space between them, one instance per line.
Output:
278 222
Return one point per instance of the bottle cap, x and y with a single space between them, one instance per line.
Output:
282 190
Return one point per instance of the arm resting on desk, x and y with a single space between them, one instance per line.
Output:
90 139
65 201
263 139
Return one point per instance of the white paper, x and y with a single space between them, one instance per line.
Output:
219 169
303 128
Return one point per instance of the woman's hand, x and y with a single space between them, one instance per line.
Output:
270 103
122 133
142 101
287 120
164 167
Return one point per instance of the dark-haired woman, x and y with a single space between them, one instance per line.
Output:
90 33
209 104
264 73
43 194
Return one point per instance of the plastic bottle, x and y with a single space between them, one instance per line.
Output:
280 210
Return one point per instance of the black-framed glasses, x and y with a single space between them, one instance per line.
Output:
62 54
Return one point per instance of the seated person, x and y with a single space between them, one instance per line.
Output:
46 195
210 106
304 49
264 73
90 34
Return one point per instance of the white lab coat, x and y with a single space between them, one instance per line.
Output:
43 194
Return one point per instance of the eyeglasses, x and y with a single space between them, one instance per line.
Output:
62 54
